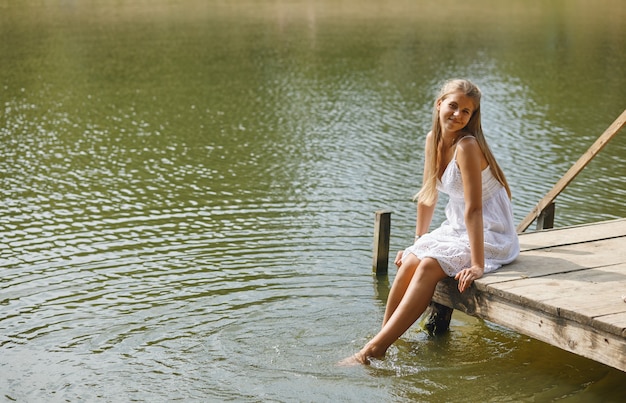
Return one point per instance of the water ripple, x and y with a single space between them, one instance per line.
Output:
184 221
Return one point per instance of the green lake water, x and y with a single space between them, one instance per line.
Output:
188 191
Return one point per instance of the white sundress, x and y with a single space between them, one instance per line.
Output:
449 244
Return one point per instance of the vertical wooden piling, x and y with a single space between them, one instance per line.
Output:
438 319
546 217
382 232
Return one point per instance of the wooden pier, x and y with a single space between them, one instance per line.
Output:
566 288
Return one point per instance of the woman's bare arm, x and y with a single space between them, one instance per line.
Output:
471 163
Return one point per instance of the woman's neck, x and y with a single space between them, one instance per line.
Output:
449 139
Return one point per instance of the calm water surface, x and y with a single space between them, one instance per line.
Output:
188 191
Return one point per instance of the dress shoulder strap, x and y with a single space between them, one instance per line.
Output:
464 137
457 142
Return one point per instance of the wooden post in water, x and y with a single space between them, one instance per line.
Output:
382 233
546 218
439 317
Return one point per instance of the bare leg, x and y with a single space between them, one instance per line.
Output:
414 302
400 285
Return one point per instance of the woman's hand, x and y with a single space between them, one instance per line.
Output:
398 261
467 276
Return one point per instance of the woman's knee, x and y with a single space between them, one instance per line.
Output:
429 269
408 266
409 263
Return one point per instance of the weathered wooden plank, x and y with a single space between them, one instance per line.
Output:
568 294
598 305
562 259
588 306
525 267
606 277
572 235
617 320
561 332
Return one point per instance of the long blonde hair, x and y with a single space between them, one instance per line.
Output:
428 193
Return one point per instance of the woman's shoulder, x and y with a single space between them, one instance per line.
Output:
464 137
468 147
467 142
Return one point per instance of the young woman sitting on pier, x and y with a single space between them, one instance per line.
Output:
478 235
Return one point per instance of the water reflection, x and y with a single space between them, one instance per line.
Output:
188 190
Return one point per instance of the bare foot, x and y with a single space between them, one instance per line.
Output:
354 360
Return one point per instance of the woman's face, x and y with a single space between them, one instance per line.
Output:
455 112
